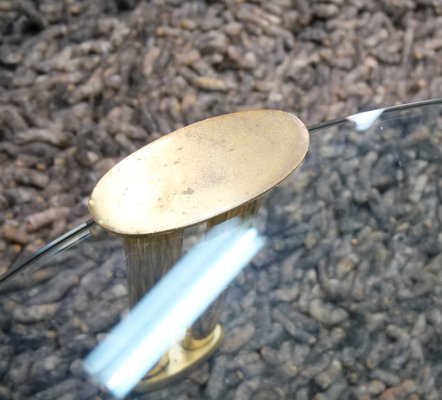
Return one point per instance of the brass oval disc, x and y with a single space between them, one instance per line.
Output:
198 172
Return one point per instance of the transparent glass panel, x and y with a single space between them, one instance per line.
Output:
344 302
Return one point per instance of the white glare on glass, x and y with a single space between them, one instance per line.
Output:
366 119
136 344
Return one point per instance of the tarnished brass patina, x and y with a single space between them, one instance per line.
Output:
198 172
181 361
207 172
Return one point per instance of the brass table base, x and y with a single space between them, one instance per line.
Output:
181 361
204 173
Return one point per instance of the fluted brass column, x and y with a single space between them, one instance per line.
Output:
148 258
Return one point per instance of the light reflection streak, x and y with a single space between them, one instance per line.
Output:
136 344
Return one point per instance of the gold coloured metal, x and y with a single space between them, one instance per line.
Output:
181 361
148 258
198 172
206 172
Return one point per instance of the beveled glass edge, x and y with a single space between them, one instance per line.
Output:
51 249
400 107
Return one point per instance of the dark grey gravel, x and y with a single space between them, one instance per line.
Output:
344 303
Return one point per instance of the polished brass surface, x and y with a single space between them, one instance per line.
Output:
181 361
189 342
160 365
198 172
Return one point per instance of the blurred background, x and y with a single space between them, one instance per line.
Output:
83 83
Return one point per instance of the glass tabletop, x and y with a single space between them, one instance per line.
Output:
343 302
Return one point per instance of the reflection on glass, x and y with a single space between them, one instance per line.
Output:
163 315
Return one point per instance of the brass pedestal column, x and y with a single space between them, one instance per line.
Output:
199 175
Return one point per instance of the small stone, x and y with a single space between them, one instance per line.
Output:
32 314
14 234
292 327
375 387
104 165
233 29
56 288
149 60
238 338
270 355
188 58
36 221
215 386
209 83
327 314
201 375
401 391
52 136
246 389
330 375
76 368
289 370
20 365
31 177
288 294
188 23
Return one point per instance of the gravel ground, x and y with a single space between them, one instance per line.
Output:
85 83
343 303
